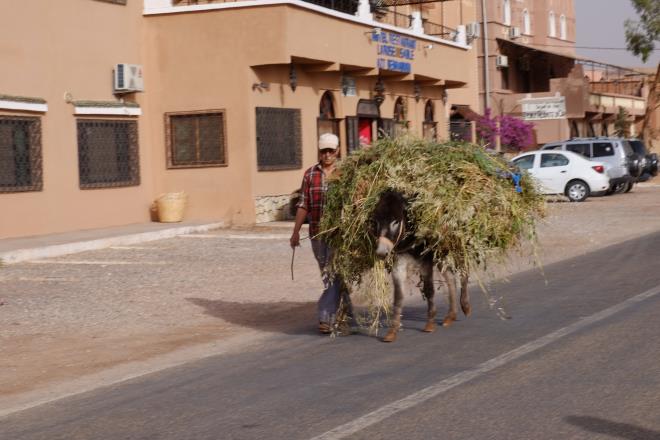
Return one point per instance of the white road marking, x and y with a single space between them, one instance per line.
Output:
242 236
444 385
99 263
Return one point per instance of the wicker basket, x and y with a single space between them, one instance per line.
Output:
171 206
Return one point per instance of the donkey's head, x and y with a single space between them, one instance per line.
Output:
389 222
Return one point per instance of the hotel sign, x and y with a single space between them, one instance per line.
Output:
539 109
394 51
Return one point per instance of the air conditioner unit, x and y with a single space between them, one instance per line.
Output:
514 32
473 29
128 78
502 61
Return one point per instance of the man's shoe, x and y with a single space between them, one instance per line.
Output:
325 328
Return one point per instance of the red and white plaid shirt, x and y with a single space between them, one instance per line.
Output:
312 196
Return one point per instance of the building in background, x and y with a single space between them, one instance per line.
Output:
105 104
528 68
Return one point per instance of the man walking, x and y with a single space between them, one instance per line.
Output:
312 200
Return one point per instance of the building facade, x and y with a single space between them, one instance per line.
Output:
528 69
106 104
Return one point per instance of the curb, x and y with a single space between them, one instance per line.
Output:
20 255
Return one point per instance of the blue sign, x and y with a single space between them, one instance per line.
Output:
392 45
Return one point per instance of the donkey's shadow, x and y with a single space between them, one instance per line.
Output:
292 318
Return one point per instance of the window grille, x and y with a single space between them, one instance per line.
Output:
108 153
196 139
279 139
20 154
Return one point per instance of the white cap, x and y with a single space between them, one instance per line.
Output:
328 141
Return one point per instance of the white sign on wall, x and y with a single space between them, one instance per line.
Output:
537 109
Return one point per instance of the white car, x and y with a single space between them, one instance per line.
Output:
565 172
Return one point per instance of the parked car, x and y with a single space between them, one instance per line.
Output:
623 165
565 172
650 160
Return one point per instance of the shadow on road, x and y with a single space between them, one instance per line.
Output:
613 429
292 318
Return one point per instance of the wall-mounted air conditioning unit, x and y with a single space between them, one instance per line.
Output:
514 32
502 61
473 29
128 78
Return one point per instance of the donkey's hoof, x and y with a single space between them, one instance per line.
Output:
390 336
429 327
467 309
449 320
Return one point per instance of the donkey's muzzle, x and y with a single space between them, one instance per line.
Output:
383 247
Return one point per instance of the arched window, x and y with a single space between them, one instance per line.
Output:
562 27
327 107
429 127
400 113
399 110
551 24
506 12
527 24
327 121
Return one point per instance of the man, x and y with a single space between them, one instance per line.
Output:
312 201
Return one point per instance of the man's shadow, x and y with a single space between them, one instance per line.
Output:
292 318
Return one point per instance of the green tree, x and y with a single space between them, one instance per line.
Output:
621 125
642 35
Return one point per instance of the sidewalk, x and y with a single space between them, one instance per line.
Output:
14 250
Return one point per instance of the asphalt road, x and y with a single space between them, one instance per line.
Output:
579 358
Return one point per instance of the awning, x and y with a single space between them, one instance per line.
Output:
556 53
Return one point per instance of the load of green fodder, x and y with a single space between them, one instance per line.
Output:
462 200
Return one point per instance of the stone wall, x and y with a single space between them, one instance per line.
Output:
272 208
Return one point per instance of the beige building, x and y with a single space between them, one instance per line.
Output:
106 104
531 71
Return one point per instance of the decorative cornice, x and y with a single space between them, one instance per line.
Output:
107 108
25 103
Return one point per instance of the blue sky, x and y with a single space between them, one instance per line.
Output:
599 23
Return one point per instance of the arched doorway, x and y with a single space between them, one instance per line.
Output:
429 126
360 128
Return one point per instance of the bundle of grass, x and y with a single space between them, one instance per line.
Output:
466 209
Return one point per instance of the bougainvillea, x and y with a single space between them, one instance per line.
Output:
515 134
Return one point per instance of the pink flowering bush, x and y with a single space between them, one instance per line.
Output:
515 134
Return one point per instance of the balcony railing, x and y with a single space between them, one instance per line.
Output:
630 103
381 14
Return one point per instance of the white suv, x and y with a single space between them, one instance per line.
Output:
622 163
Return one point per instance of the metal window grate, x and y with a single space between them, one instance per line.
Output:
196 139
279 139
20 154
108 153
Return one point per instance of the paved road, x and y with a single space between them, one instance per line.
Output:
577 360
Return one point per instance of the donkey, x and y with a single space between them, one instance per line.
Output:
395 234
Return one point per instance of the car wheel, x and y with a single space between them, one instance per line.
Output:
577 191
629 186
620 188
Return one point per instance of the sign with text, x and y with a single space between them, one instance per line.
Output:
394 51
538 109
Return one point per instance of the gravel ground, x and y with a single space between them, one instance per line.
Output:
68 317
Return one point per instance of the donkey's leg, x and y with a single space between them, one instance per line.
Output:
450 317
426 272
465 296
399 276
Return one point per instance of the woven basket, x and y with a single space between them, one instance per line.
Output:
171 206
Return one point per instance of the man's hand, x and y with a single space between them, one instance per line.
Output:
295 239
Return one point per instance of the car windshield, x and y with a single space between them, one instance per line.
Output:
638 146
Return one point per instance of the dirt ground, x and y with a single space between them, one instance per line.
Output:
67 323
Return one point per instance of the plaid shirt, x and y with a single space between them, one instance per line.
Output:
312 196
